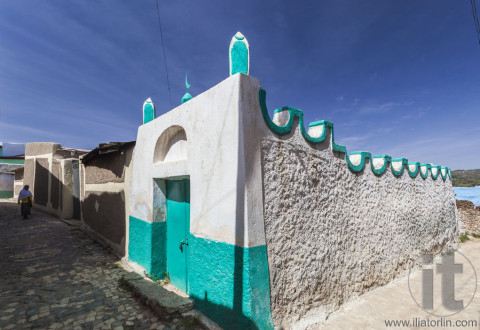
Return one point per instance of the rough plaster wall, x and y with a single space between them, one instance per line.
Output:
104 213
60 197
7 182
55 187
67 189
108 168
41 148
29 172
332 234
82 183
40 194
104 204
9 167
17 189
19 175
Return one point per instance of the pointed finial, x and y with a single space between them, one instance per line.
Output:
239 54
148 111
186 81
187 95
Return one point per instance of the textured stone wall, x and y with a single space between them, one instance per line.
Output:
104 197
468 216
104 212
333 234
108 168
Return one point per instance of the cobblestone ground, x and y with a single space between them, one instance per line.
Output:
54 276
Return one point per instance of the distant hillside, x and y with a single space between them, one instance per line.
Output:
466 178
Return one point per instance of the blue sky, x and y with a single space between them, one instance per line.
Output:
396 77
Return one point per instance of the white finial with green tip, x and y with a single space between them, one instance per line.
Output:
148 111
239 54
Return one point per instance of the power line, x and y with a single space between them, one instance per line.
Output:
475 19
164 56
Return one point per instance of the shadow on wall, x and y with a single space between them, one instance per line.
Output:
215 286
40 192
58 199
104 213
225 317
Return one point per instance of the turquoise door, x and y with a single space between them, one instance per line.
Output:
178 228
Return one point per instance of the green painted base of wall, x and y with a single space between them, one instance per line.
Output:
230 284
12 161
147 246
6 194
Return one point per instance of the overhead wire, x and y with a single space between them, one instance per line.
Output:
475 18
164 55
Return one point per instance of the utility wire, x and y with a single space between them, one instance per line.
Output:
164 56
475 19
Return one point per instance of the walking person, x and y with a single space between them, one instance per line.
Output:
25 198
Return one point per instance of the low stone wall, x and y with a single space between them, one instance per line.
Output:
469 217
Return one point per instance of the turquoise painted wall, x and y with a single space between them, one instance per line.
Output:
12 161
239 58
147 245
6 194
230 284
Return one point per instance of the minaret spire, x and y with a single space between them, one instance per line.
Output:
148 111
239 54
187 95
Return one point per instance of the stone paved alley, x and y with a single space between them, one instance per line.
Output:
54 276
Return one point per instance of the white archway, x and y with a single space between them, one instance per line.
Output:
171 145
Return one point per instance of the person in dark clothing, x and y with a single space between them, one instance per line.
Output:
25 199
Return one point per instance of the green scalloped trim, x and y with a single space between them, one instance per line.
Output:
404 162
294 112
363 156
426 172
317 123
417 167
444 177
434 177
381 170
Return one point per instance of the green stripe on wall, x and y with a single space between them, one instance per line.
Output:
6 194
230 284
12 161
147 245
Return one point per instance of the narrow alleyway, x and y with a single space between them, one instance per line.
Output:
54 276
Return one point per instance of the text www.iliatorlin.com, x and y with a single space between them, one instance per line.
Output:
417 322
